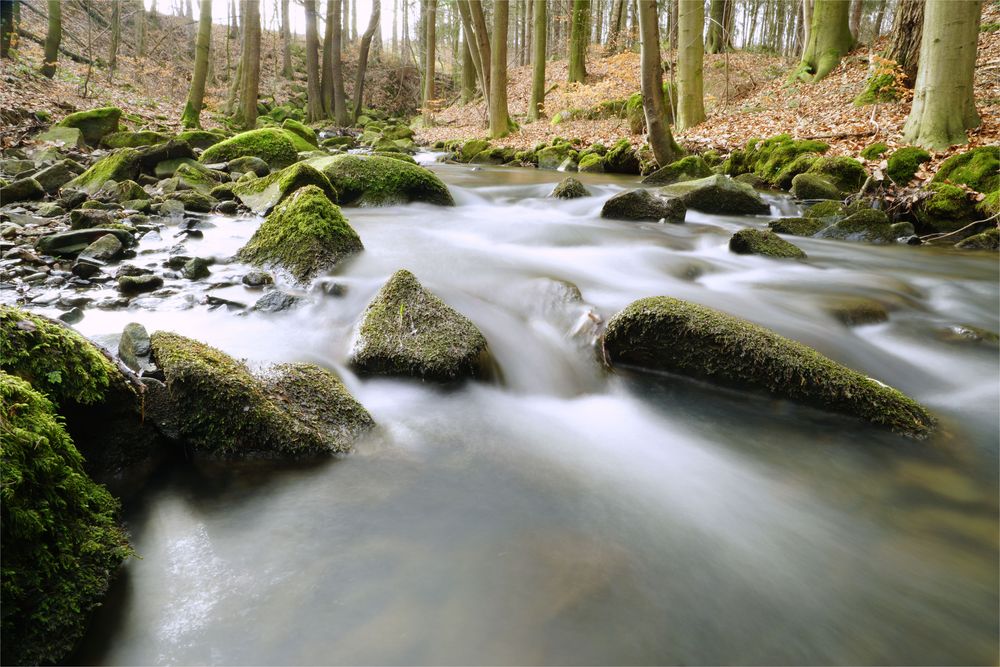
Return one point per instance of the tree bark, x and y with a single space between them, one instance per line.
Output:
250 59
52 39
472 41
879 16
717 40
538 66
203 48
904 45
468 71
857 7
943 98
430 37
116 36
499 115
366 40
286 41
829 39
7 29
332 24
690 59
614 27
579 32
665 150
314 95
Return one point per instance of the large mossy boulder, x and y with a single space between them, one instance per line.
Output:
621 158
903 164
303 131
214 405
719 194
644 205
946 208
61 540
134 139
269 144
846 174
811 187
305 234
201 139
94 124
263 194
408 331
978 168
675 336
776 159
380 181
763 242
120 165
686 169
553 157
23 189
988 240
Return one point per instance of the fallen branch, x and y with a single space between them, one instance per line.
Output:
63 50
939 236
844 135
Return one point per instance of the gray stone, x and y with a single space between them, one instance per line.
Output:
88 218
134 347
72 316
54 177
63 136
25 189
103 249
275 301
139 284
196 268
720 195
257 279
72 242
570 188
644 205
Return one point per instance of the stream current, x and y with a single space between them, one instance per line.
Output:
569 515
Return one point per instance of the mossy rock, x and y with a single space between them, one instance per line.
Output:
168 168
569 188
62 543
719 194
990 205
828 211
95 124
263 194
489 156
197 177
247 164
305 234
121 165
380 181
856 311
408 331
643 205
591 163
799 165
270 144
622 159
811 187
763 242
339 142
201 139
846 173
978 168
471 149
874 151
988 240
216 407
880 88
120 191
23 189
868 225
134 139
686 169
193 200
947 209
903 164
63 136
796 226
675 336
303 131
301 144
552 157
770 157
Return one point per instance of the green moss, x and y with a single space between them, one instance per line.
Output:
761 242
263 194
592 162
303 131
471 149
304 234
270 144
379 181
880 88
193 200
402 157
768 158
60 537
796 226
990 205
622 159
644 205
569 188
809 187
825 210
121 165
947 209
686 169
874 151
301 145
406 330
667 334
978 168
94 124
845 173
867 225
903 164
201 138
134 139
988 240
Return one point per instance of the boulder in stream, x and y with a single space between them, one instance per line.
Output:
720 195
667 334
569 188
643 205
796 226
380 181
261 195
269 144
763 242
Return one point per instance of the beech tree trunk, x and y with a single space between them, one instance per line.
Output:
579 32
468 71
943 98
717 40
250 59
857 7
196 96
116 37
366 40
332 23
690 57
314 95
615 27
52 38
430 25
286 40
904 43
499 115
665 150
829 39
538 66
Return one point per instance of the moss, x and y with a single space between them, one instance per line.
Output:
23 189
903 164
270 144
622 159
685 169
471 149
592 163
201 138
304 234
761 242
301 145
121 165
667 334
856 311
719 194
813 186
988 240
990 205
798 165
263 194
947 209
845 173
796 226
880 88
874 151
193 200
197 177
221 410
134 139
402 157
61 541
379 181
406 330
769 157
94 124
866 225
826 210
303 131
978 168
569 188
644 205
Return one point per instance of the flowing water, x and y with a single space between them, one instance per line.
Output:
569 515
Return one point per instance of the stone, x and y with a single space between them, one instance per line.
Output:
134 347
249 163
25 189
63 136
797 226
812 187
644 205
720 195
686 169
381 181
269 144
261 195
54 177
71 316
257 279
569 188
196 268
276 301
131 285
104 249
85 218
869 225
95 124
763 242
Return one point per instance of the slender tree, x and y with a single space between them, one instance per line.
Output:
829 39
246 114
474 27
857 9
904 43
314 98
717 40
690 58
192 110
665 150
7 28
468 71
53 38
116 37
366 40
580 32
538 64
430 38
286 40
334 98
943 98
500 123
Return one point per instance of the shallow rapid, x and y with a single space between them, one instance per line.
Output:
565 514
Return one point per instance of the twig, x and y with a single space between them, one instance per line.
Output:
938 236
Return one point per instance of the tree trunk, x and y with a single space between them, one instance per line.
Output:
354 20
286 41
665 150
468 71
857 8
116 37
829 39
326 86
52 38
716 41
690 57
472 41
904 45
879 16
482 33
579 31
943 99
336 72
499 115
538 66
430 37
314 94
614 27
246 115
366 40
7 29
192 110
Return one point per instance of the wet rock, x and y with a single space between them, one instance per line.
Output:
797 226
94 124
72 316
276 301
644 205
569 188
227 207
104 249
406 330
70 198
856 311
247 164
25 189
132 270
87 268
15 167
675 336
171 208
50 210
271 145
621 158
719 194
131 285
120 165
868 225
83 218
761 242
257 279
988 240
192 200
381 181
120 191
54 177
261 195
686 169
965 333
813 186
134 347
196 268
72 242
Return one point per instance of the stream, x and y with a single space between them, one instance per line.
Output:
567 515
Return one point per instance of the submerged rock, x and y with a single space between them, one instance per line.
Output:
406 330
667 334
796 226
856 311
381 181
644 205
762 242
988 240
569 188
